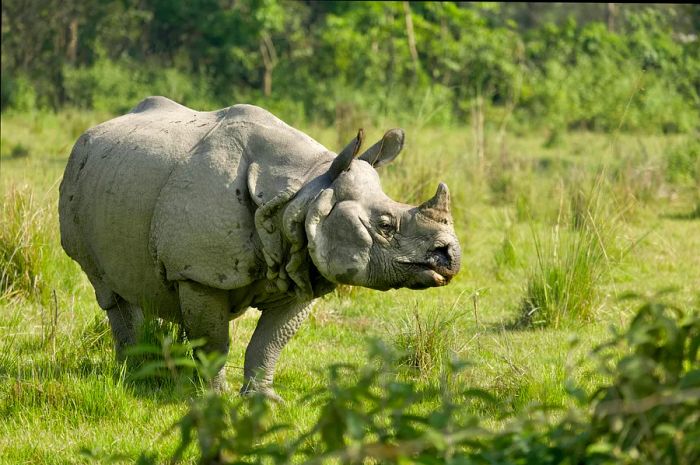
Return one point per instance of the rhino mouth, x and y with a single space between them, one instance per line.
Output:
422 275
440 274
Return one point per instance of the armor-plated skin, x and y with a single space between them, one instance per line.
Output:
197 216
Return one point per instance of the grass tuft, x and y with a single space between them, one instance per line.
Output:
426 342
22 239
563 284
506 256
19 151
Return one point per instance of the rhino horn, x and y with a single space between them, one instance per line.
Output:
346 156
438 207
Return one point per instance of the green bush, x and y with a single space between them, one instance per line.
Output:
308 60
646 413
117 86
651 408
18 93
587 77
683 164
19 151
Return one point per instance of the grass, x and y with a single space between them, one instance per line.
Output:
563 285
61 390
21 234
427 340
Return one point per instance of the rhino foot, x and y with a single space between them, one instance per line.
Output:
250 388
218 383
125 321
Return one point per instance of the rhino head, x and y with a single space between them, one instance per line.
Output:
357 235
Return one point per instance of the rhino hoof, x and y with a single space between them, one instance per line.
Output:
218 383
265 391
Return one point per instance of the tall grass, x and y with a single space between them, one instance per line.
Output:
506 255
563 284
23 237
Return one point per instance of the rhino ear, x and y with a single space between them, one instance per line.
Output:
346 156
384 151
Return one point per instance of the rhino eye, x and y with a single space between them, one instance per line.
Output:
385 225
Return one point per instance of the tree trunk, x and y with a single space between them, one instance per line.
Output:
411 39
267 81
269 58
72 50
478 127
389 74
610 15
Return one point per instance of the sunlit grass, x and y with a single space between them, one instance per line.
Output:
61 389
22 239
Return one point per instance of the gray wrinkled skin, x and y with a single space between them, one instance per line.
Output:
194 217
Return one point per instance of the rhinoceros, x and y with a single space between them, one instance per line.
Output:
197 216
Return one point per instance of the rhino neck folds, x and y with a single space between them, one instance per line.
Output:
280 226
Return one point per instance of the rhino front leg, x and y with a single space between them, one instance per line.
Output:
275 328
125 320
205 314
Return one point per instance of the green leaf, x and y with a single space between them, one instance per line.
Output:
690 380
600 447
355 425
480 394
435 438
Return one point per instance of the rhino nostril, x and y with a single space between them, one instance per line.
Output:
441 255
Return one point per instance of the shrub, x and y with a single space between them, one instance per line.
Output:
18 93
19 151
646 413
117 86
651 408
366 413
683 163
552 73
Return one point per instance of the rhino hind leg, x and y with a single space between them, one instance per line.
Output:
275 328
205 315
126 321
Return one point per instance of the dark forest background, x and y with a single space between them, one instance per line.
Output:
591 66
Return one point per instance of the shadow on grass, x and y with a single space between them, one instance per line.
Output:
512 325
689 216
39 378
522 320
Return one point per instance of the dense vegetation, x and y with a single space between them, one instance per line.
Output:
568 135
556 66
646 413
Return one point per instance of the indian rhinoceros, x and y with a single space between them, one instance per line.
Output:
197 216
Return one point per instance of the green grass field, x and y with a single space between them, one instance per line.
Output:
519 201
